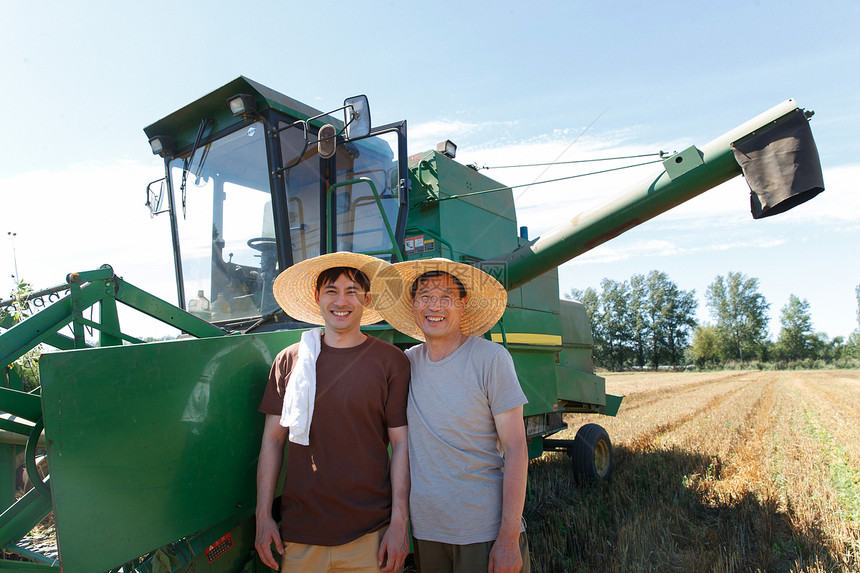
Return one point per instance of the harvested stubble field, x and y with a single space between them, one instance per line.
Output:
727 471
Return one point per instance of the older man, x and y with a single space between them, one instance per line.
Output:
340 398
467 446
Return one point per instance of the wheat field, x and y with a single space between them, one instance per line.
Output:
727 471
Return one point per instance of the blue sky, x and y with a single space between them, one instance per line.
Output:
509 82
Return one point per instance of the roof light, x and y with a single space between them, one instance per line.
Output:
161 145
242 105
447 147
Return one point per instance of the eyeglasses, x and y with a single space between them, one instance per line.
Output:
445 300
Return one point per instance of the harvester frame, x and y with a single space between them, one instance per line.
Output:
152 446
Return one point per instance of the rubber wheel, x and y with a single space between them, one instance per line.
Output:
591 454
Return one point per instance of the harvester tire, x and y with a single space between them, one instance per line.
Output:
591 454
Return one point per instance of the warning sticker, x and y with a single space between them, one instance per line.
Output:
414 245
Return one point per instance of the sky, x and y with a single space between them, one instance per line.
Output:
508 82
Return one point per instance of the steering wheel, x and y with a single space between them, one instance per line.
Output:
262 243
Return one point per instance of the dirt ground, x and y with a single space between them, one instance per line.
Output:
725 471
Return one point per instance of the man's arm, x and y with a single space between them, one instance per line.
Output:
505 556
268 470
395 544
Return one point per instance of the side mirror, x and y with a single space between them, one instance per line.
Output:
356 112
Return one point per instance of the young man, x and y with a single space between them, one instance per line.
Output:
467 446
343 505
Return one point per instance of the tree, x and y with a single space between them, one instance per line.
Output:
23 373
638 322
657 311
615 323
740 312
671 317
796 339
705 350
852 346
646 320
681 322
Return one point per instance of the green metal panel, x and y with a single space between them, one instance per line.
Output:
21 404
575 326
536 372
535 447
576 337
8 455
542 292
582 387
148 443
477 226
613 403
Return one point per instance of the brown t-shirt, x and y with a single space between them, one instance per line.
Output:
338 488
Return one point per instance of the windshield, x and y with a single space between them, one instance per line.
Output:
225 227
228 232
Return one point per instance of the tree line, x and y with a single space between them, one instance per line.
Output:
647 321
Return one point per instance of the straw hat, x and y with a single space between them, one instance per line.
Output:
391 295
294 288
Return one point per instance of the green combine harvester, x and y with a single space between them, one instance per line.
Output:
151 448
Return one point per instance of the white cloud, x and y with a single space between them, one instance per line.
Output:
650 248
424 136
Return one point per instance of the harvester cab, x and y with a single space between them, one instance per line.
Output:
152 447
256 181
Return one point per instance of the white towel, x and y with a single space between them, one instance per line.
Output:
301 389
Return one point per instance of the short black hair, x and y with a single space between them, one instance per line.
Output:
331 275
433 274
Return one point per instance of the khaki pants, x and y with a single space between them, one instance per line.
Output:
434 557
355 556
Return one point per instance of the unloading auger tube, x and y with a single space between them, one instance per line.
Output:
775 151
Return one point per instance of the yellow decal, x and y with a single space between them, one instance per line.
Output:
529 338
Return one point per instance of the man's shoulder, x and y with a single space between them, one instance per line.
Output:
487 354
291 351
413 350
487 347
386 349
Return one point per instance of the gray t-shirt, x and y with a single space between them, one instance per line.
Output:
455 458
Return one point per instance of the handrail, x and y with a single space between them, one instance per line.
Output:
332 235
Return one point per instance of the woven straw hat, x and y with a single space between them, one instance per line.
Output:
392 298
294 288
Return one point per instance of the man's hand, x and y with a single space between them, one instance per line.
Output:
505 556
394 547
267 533
268 469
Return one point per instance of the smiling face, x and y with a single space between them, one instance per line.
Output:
438 305
342 303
